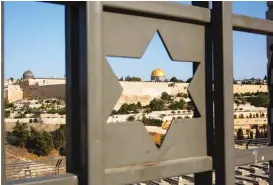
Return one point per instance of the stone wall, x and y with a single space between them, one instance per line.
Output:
13 93
38 126
133 92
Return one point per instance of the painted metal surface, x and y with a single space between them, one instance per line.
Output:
223 92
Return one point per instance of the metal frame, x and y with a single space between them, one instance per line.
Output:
89 102
223 92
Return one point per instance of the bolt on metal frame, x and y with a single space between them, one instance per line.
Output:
90 140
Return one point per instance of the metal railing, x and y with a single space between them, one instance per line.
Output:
22 170
95 154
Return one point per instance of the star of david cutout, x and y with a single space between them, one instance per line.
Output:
156 127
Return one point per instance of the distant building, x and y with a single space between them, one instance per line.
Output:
158 75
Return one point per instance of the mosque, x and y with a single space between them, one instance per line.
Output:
30 86
158 75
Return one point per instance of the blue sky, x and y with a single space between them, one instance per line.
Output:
34 40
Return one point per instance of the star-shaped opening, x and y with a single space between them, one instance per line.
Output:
158 102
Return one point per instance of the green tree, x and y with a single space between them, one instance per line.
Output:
19 135
240 134
59 137
8 105
7 114
152 122
166 97
136 79
258 134
157 105
189 80
131 118
40 142
177 105
174 79
258 100
251 135
129 108
190 105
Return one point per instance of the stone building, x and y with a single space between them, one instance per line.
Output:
158 75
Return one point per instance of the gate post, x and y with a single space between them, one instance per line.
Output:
223 92
207 177
269 42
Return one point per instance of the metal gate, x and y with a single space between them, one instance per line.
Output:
97 152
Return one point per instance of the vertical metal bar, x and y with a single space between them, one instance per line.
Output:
76 92
269 40
96 126
206 177
223 88
3 170
269 109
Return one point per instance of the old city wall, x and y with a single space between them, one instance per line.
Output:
144 92
45 91
39 126
133 92
13 93
238 88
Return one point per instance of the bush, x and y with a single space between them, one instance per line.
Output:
19 135
62 150
157 105
131 118
59 137
40 142
240 134
152 122
177 105
7 114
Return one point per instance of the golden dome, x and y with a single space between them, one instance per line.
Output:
158 72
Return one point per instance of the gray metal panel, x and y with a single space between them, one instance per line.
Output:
251 24
166 9
66 179
95 74
197 89
112 90
223 92
138 147
128 36
3 159
206 177
253 156
157 170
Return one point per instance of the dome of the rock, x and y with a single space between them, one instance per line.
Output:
158 75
